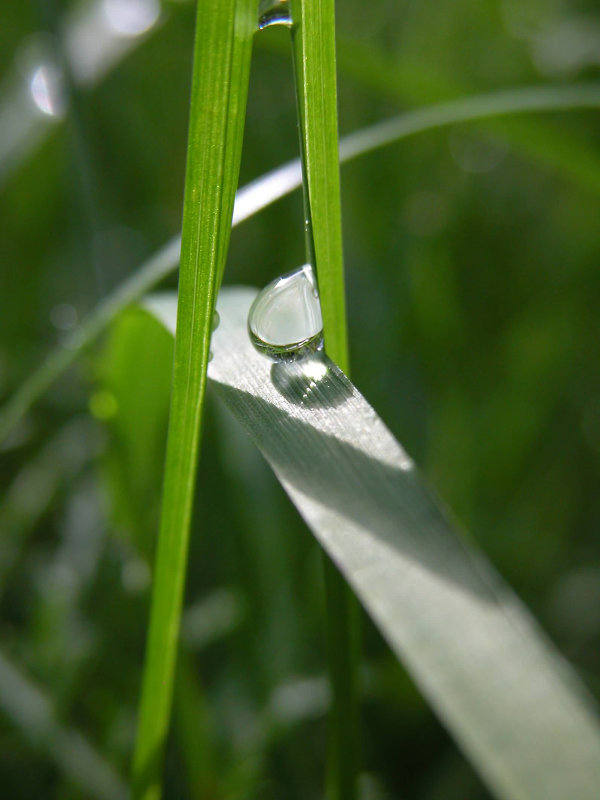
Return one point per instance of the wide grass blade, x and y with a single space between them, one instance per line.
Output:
510 700
224 33
276 184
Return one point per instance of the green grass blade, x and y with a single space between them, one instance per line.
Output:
314 55
274 185
219 89
513 704
313 36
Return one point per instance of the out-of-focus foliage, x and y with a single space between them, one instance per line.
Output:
473 289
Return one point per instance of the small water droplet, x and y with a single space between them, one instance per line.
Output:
284 321
274 12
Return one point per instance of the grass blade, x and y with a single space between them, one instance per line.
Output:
314 56
313 37
510 700
276 184
219 89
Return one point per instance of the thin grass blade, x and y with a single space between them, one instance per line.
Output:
219 89
313 45
314 56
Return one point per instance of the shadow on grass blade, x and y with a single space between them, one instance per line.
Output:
510 700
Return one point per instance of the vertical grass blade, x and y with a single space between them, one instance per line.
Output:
313 37
221 69
314 56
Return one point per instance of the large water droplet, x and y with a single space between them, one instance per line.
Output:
274 12
284 320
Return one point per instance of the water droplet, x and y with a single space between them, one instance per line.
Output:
274 12
284 321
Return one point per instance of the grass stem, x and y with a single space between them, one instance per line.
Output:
221 71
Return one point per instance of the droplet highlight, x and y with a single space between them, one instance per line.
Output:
284 321
274 12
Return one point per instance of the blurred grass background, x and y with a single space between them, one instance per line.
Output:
473 295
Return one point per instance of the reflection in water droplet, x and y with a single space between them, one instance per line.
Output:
284 320
311 382
47 89
274 12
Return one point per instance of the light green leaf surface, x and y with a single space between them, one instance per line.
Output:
514 705
137 381
221 70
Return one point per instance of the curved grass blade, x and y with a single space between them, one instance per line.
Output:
513 704
558 149
272 186
221 72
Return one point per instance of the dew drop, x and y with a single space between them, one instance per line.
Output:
274 12
284 321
